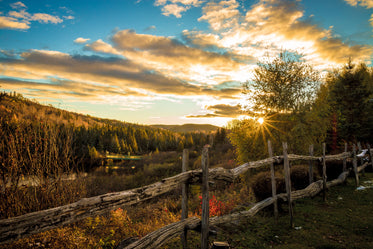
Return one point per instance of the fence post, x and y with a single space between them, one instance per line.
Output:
205 199
311 164
184 200
361 159
324 176
345 160
273 181
355 166
288 181
370 155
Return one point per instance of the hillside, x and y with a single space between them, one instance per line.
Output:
22 108
92 136
188 127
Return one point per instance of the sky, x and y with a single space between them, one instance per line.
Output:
168 61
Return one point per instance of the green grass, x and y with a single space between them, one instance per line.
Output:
344 221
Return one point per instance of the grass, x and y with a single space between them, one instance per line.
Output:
343 221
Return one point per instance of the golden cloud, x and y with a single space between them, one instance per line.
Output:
274 25
221 111
58 70
12 23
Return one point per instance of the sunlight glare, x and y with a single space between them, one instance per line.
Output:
261 120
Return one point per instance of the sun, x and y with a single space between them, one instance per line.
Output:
261 120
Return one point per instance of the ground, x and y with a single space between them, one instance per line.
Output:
343 221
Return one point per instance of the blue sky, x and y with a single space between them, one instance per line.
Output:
167 61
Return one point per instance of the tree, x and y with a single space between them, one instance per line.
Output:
350 97
282 85
284 92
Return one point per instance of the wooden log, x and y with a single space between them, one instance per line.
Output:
362 167
288 182
324 177
162 235
280 159
355 166
159 237
345 160
310 163
36 222
205 200
184 198
273 182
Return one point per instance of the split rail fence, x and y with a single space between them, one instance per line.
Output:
36 222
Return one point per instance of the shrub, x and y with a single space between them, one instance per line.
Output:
262 186
333 168
300 176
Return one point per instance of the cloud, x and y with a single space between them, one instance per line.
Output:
152 27
176 7
221 111
69 17
19 18
45 18
270 26
102 47
174 59
81 40
12 23
220 15
365 3
18 5
55 72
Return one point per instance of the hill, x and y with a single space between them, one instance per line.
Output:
188 127
90 135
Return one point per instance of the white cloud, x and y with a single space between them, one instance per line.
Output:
270 26
81 40
176 7
19 18
12 23
102 47
221 14
45 18
18 5
365 3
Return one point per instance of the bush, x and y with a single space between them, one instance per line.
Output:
333 168
262 186
300 176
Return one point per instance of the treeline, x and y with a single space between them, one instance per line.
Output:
299 106
35 136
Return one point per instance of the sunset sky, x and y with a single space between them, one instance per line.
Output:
167 61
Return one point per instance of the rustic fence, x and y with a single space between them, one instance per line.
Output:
36 222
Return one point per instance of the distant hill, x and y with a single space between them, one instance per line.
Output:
188 127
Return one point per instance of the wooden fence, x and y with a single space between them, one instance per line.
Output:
36 222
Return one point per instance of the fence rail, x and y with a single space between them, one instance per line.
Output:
36 222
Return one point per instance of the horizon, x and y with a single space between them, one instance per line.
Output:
168 62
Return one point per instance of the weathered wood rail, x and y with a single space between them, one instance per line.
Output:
36 222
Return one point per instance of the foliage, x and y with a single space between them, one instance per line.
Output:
248 139
294 107
218 207
284 84
351 94
262 185
340 222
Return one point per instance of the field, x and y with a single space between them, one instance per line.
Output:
343 221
